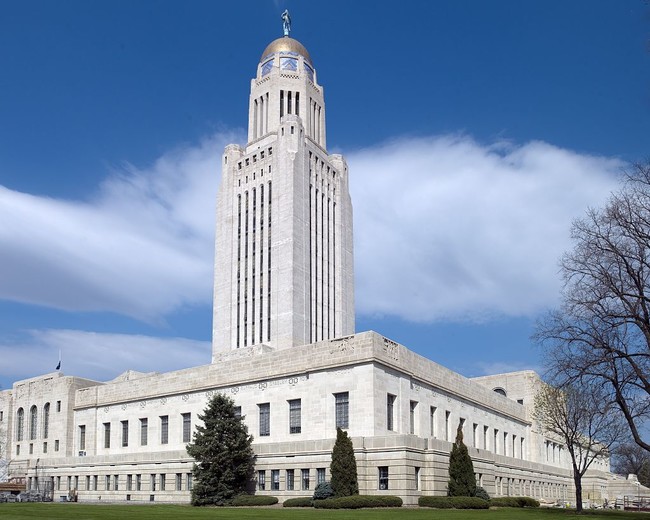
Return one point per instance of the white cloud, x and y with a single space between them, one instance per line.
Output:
449 229
445 229
98 356
143 247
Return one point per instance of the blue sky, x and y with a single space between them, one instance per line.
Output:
474 131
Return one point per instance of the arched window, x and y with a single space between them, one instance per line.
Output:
20 424
46 420
500 391
33 422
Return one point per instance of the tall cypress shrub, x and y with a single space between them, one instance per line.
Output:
462 482
343 468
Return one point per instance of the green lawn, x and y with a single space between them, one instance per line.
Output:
57 511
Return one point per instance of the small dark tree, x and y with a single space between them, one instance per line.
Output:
223 453
462 482
344 466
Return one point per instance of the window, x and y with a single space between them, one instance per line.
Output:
290 477
412 409
305 479
475 435
179 481
58 406
2 416
107 482
295 407
383 477
342 403
107 435
20 424
417 478
496 438
447 414
261 480
46 420
125 433
320 475
390 405
18 450
188 479
162 482
58 483
485 437
164 429
187 427
31 448
56 445
115 481
432 421
152 479
129 482
144 431
82 437
238 412
275 479
138 482
265 419
33 422
45 447
88 482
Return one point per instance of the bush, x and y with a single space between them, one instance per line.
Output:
298 502
359 501
514 502
453 502
481 493
253 500
323 490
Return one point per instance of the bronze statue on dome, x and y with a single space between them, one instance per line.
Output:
286 22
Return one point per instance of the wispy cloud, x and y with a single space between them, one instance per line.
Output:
445 229
450 229
97 356
142 247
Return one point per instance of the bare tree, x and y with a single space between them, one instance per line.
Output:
601 332
577 416
631 458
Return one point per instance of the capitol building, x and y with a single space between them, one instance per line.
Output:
285 349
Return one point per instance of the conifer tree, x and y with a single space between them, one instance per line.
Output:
344 466
223 453
462 482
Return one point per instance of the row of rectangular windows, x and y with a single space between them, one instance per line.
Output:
247 161
131 482
144 432
290 483
341 414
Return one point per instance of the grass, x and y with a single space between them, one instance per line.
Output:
57 511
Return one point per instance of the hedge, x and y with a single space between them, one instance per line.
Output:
453 502
359 501
298 502
254 500
514 502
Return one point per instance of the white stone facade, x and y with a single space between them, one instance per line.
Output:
284 349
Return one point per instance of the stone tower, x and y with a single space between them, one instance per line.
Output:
284 253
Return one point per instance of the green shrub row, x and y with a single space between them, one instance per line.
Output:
453 502
254 500
514 502
359 501
298 502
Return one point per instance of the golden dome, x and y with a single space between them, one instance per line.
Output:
286 44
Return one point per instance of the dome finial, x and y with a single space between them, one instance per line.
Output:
286 22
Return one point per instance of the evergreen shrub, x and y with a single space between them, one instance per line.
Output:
359 501
323 490
453 502
253 500
298 502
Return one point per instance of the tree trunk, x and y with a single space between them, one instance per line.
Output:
577 480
